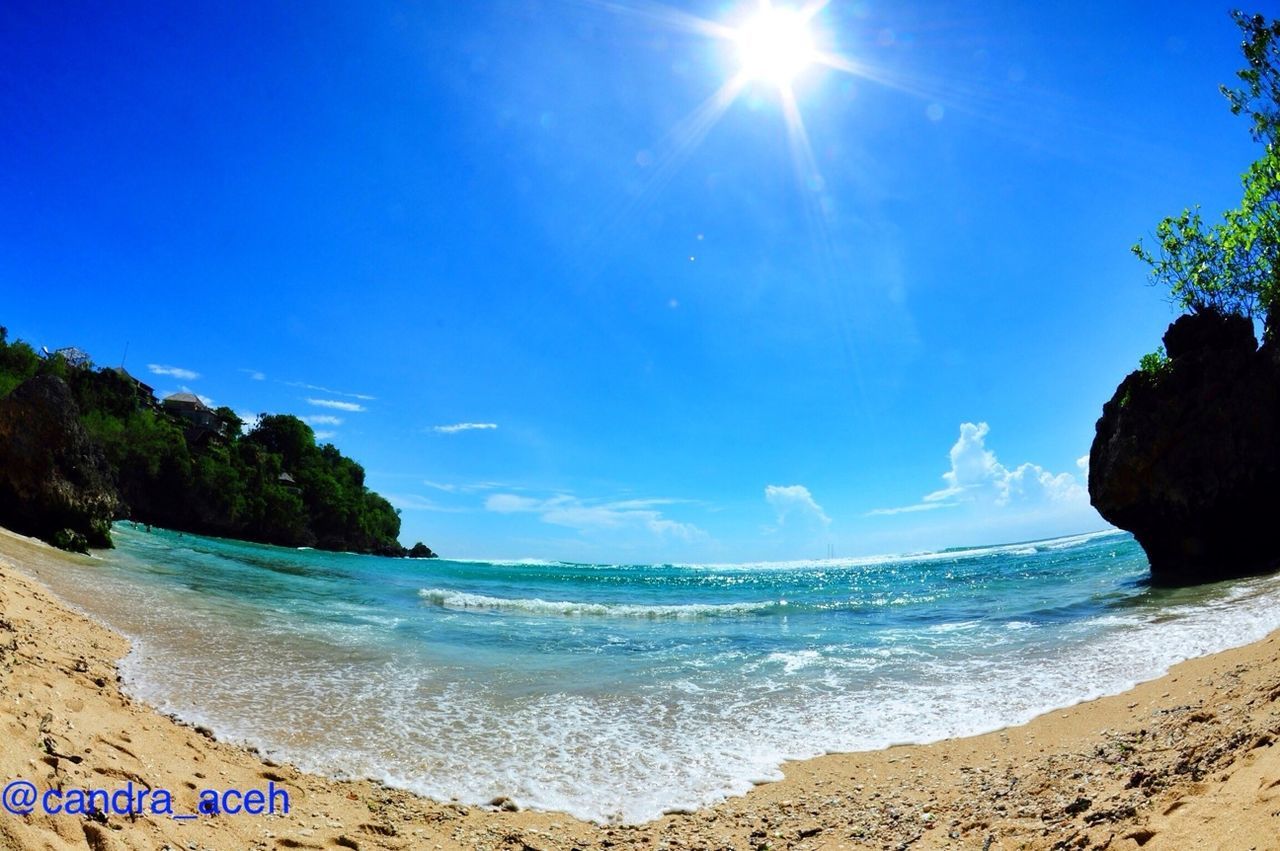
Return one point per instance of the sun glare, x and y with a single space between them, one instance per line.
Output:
776 45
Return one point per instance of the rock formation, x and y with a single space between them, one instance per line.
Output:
54 481
420 550
1187 453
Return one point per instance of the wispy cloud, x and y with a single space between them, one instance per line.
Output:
173 372
467 487
364 397
910 509
337 405
457 427
326 435
977 477
593 516
414 502
323 419
255 374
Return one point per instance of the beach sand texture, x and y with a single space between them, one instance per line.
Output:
1183 762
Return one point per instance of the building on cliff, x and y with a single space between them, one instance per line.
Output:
148 392
190 408
73 355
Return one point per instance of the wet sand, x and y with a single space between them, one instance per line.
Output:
1185 761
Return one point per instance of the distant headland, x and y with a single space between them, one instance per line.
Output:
82 446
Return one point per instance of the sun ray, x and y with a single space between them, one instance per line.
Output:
798 138
810 10
989 105
917 87
662 14
679 143
813 191
671 152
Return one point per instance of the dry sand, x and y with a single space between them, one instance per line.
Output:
1184 762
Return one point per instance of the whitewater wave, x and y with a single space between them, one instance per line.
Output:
461 600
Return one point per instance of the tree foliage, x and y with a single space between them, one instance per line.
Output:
1234 266
218 481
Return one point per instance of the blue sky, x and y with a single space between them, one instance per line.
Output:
685 344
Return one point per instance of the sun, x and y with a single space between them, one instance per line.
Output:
776 45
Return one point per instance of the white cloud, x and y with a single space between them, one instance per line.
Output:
336 405
910 509
586 516
509 503
323 419
250 420
364 397
457 427
977 477
173 372
326 435
1083 463
255 374
795 501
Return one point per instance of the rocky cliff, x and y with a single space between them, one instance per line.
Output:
1187 453
54 481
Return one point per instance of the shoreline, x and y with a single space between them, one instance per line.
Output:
1185 760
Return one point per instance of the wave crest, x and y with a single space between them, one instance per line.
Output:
460 600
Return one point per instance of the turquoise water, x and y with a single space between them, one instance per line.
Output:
616 692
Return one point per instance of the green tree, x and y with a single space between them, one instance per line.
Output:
18 362
1234 266
229 423
286 436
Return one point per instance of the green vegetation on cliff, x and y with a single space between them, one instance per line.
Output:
1185 452
272 484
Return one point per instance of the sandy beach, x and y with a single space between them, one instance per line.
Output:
1185 761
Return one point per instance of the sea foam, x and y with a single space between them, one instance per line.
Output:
464 601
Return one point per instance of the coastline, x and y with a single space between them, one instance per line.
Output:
1182 761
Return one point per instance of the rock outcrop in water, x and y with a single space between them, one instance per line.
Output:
54 481
1187 453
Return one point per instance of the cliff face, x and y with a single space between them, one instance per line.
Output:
1187 456
54 481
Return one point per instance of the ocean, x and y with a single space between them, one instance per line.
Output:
616 692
